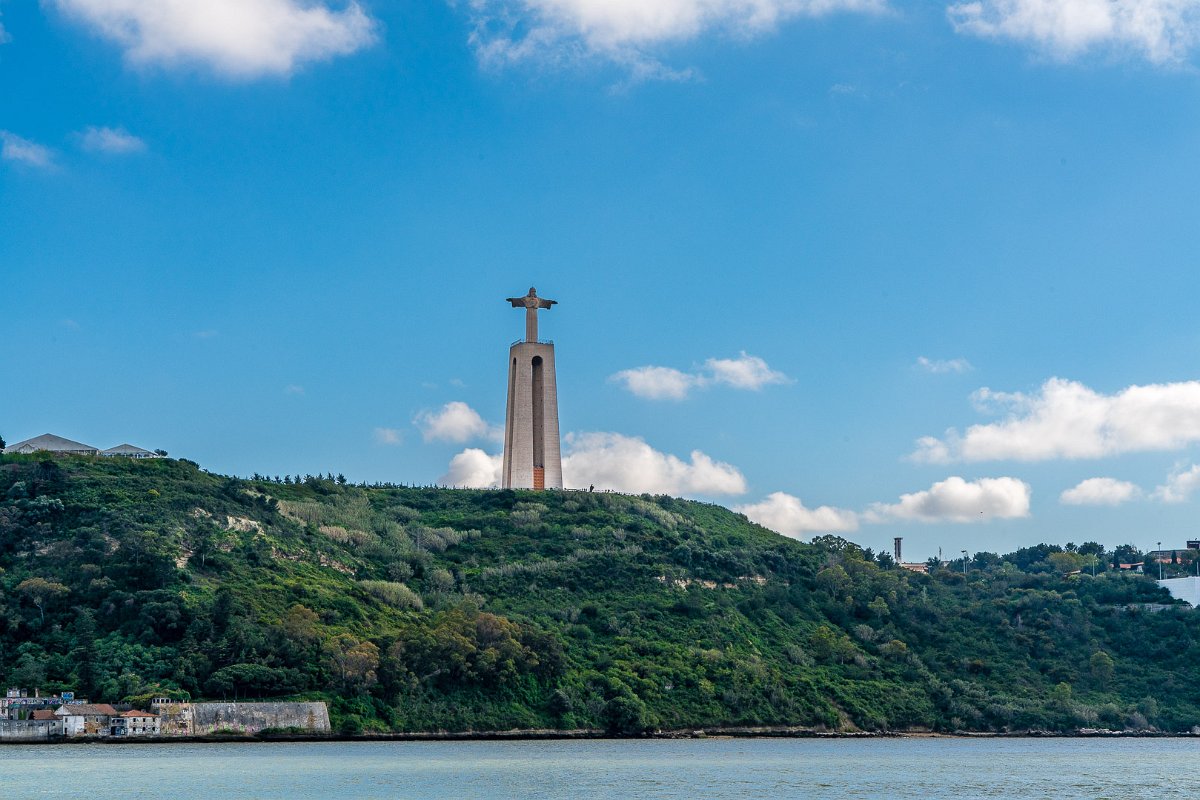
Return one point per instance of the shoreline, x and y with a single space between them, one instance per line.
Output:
737 732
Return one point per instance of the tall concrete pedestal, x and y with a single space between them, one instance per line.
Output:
532 458
532 455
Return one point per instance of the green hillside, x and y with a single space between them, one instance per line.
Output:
429 609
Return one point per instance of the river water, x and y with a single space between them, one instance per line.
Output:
712 768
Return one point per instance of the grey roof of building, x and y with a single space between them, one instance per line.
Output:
52 443
127 450
87 710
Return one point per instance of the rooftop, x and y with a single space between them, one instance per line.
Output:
129 450
88 710
50 443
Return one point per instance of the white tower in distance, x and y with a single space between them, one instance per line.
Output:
532 458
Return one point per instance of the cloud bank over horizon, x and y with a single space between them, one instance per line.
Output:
953 500
611 461
786 514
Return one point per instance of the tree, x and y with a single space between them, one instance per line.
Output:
355 662
300 624
830 645
41 592
2 444
1066 563
30 671
627 714
1102 667
253 680
440 580
84 652
834 580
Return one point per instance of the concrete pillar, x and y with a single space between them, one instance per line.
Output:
532 454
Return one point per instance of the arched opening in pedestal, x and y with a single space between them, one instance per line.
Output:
538 396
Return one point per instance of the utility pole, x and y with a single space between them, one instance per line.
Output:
1158 558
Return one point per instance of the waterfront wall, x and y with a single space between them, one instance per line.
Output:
27 730
209 718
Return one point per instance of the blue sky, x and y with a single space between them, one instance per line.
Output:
910 270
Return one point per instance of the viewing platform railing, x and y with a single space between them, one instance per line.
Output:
539 341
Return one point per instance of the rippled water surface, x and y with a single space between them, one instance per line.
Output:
713 768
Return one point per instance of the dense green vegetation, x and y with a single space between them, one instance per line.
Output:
424 609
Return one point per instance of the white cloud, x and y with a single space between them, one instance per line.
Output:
389 436
474 469
115 141
1158 30
236 38
1100 492
958 500
611 461
657 383
783 513
23 151
746 372
1181 485
628 464
293 388
1066 419
942 366
455 422
626 31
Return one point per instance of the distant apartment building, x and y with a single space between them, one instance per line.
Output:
86 719
18 704
134 723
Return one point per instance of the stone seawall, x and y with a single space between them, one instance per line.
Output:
25 730
209 718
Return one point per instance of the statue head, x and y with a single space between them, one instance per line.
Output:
532 292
